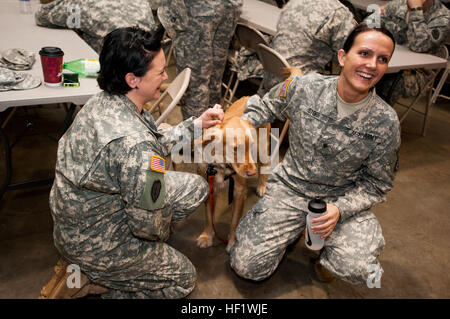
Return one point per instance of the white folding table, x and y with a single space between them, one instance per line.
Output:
20 31
260 15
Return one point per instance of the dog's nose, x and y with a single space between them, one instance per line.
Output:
250 172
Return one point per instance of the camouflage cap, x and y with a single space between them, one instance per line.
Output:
11 80
8 77
17 59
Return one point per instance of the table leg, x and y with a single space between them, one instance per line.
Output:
5 183
68 119
6 151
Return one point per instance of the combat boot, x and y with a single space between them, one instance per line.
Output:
322 274
57 287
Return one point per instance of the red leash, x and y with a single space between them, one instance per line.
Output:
211 175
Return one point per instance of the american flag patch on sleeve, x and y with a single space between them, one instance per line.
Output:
157 164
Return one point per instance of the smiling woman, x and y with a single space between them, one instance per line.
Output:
130 51
364 60
343 144
147 87
113 201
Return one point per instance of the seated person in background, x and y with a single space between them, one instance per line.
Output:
309 33
112 200
422 26
343 148
94 19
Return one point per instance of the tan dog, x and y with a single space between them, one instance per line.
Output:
243 170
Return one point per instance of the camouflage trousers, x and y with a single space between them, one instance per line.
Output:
203 47
279 218
405 84
158 271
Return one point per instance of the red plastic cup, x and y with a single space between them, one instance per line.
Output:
52 65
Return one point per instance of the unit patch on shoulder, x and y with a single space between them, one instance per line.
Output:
284 87
157 164
156 190
436 34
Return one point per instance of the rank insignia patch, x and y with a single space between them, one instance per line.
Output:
157 164
283 89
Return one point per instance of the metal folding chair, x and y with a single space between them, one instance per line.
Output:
436 92
165 42
175 92
248 38
274 63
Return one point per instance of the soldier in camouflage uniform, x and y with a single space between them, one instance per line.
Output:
112 200
343 148
94 19
201 31
309 33
422 26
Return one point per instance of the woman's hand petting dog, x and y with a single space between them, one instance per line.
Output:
210 117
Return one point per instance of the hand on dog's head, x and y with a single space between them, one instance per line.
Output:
233 138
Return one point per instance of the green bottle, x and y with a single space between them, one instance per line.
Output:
84 67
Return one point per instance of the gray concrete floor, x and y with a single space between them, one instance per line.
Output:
415 223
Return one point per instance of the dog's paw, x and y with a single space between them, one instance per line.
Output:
229 245
204 241
260 190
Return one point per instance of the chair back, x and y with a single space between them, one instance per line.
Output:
249 37
272 61
443 52
175 90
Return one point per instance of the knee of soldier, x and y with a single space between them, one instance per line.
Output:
246 264
365 273
186 279
191 277
356 270
203 187
197 187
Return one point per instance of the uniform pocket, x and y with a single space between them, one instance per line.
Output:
348 153
152 225
203 10
173 19
311 129
363 216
